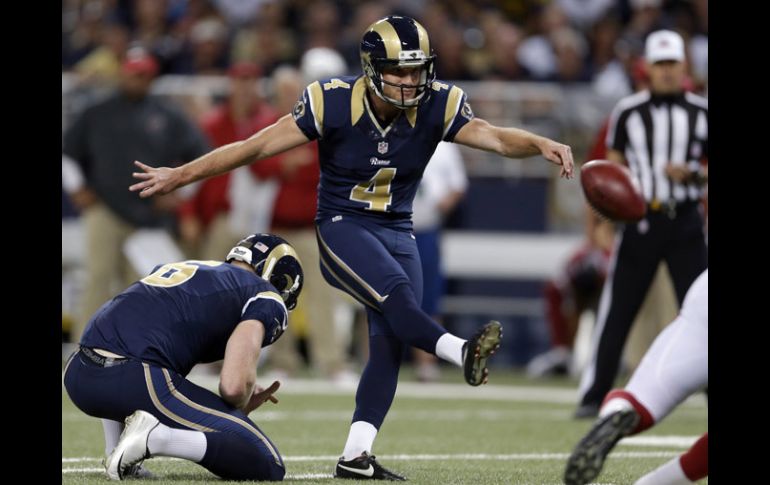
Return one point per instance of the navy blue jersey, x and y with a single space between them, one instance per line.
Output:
367 169
183 313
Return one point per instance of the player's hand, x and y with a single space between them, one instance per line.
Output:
261 395
161 180
559 154
84 198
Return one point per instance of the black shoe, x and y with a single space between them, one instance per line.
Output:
585 411
138 471
364 467
478 349
588 457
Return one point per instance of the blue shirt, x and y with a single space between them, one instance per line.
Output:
367 169
183 314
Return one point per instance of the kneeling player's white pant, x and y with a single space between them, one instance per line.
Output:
676 365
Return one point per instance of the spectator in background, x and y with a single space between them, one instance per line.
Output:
442 187
206 50
536 52
209 222
321 24
269 41
623 74
575 290
571 53
505 63
103 64
350 39
99 148
577 287
585 13
293 219
150 25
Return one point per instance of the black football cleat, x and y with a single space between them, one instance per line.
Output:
586 461
364 467
477 351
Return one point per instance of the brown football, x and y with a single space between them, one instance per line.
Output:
612 191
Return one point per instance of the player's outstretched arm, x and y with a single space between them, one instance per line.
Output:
272 140
515 143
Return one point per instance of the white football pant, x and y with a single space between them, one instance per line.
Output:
676 365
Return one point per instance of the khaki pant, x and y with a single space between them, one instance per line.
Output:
219 239
660 307
315 309
108 271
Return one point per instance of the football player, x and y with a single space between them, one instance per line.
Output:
138 348
675 366
376 133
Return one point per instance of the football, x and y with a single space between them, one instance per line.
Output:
612 191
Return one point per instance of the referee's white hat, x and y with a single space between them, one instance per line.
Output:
664 45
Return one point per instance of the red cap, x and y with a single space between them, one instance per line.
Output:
639 70
139 61
244 69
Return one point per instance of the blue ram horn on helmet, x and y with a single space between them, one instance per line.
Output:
398 42
275 261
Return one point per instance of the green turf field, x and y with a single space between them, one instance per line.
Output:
512 431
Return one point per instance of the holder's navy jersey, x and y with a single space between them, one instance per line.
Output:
183 313
366 169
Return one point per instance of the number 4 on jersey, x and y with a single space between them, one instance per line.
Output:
376 191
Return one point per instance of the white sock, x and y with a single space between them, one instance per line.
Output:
450 348
670 473
613 405
112 430
360 439
179 443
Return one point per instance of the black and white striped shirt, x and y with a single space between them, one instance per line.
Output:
652 131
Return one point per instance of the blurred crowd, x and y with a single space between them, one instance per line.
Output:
560 41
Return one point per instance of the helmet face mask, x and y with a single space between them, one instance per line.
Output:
275 261
398 42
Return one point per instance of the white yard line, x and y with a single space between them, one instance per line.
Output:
488 392
83 470
411 415
660 441
307 476
434 457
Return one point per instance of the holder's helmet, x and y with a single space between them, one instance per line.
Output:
402 42
275 261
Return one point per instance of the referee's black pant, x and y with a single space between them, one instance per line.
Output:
680 241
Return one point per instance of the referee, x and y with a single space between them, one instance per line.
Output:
662 135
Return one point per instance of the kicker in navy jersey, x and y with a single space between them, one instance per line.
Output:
369 168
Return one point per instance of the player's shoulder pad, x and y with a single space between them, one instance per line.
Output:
334 91
454 101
